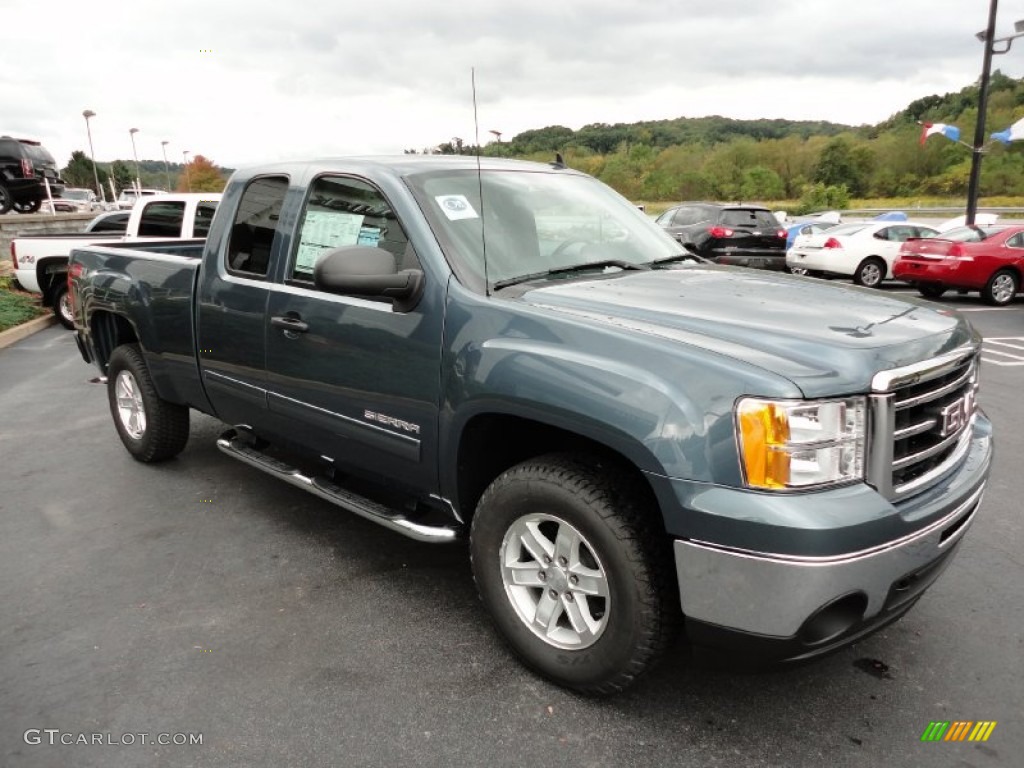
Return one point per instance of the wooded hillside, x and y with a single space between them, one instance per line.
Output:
822 164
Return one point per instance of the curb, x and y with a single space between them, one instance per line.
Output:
19 332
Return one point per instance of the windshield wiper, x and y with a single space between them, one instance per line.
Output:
624 265
683 256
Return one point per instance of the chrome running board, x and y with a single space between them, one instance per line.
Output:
235 446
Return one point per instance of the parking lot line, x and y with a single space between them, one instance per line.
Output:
999 345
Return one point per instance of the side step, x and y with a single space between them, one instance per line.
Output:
233 445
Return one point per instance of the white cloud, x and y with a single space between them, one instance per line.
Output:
288 80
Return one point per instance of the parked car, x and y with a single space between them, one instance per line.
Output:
129 197
73 200
864 251
745 235
989 260
25 169
41 261
109 221
631 439
796 229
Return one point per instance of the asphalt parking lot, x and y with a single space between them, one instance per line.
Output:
203 597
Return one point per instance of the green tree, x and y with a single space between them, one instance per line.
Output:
760 183
840 165
78 172
123 176
819 197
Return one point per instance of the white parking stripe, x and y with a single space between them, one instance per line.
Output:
998 346
985 309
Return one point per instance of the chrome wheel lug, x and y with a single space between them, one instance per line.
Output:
542 576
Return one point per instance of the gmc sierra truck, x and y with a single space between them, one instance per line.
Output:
634 441
41 261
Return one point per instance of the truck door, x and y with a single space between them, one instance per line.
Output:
232 303
349 377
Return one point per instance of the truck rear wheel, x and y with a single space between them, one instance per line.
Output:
574 572
150 428
61 301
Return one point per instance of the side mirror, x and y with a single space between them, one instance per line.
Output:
364 270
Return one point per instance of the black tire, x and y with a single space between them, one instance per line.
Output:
30 207
1001 288
871 272
5 199
930 291
60 302
163 431
618 536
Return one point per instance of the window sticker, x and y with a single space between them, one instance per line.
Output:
324 230
369 236
456 207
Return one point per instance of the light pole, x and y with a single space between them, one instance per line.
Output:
989 40
138 179
188 177
167 167
92 154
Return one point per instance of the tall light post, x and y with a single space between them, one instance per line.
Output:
167 167
138 175
988 38
92 154
188 177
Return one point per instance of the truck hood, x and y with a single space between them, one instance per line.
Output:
827 339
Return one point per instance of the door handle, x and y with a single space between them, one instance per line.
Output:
289 323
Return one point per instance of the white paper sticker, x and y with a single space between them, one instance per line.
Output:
456 207
322 231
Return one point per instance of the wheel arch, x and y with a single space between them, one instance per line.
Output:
50 272
110 330
491 442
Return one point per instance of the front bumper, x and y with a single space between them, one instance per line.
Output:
785 606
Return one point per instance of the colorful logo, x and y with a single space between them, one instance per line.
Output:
958 730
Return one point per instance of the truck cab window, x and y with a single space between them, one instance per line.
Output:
343 211
252 233
204 215
162 219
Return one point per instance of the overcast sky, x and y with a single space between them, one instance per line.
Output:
246 81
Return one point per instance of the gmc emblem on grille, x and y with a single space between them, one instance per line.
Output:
955 416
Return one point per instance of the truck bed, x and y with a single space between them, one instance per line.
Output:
152 284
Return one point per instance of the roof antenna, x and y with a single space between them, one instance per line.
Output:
480 185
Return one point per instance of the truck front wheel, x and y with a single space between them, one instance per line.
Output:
576 575
151 429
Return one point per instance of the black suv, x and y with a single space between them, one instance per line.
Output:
23 166
745 235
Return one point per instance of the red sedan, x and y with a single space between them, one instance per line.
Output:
987 259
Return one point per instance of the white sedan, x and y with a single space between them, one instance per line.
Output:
864 251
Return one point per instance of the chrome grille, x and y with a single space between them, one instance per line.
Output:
921 421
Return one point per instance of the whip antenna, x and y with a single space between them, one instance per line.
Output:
480 184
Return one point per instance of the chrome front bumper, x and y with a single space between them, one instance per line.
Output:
779 596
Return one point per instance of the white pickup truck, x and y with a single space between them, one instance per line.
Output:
41 261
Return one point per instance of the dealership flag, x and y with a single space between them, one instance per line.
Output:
1014 133
951 132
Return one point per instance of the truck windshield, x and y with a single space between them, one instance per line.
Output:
534 222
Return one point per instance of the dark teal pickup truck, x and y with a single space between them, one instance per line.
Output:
634 441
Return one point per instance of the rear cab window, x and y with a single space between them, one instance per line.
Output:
252 232
162 219
204 215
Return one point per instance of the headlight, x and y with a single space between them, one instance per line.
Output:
801 443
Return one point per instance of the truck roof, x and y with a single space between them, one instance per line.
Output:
398 165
